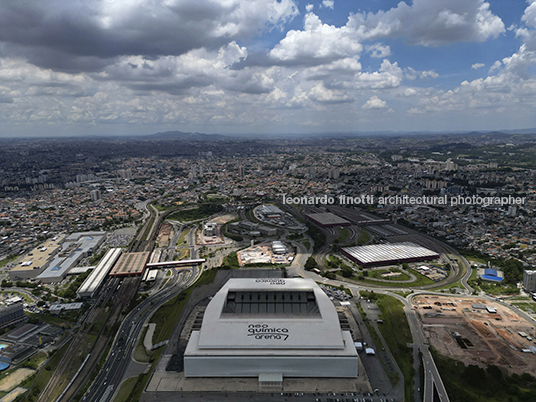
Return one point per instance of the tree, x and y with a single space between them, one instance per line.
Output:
310 264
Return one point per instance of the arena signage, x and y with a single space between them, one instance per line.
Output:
271 281
264 331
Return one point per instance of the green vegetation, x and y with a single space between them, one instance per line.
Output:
364 238
317 235
168 314
201 212
420 281
50 319
393 377
497 288
182 237
125 390
37 383
378 274
8 259
397 335
230 261
70 291
475 384
344 234
310 264
140 354
34 361
97 257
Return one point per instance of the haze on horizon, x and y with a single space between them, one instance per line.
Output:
96 67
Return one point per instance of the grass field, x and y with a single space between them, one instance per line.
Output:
167 315
393 377
182 237
397 334
378 275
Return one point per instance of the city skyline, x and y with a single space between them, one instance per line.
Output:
266 67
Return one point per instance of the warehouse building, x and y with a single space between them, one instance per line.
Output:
271 329
387 254
327 220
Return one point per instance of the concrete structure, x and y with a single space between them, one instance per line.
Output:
131 264
390 253
268 231
210 229
58 308
286 327
93 282
529 281
73 249
328 219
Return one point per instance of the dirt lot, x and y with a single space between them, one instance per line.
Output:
15 378
484 338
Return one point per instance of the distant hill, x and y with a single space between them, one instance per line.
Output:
180 135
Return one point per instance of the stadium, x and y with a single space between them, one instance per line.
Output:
270 329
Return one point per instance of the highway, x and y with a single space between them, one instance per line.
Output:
111 374
119 357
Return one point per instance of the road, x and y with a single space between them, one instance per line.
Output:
119 357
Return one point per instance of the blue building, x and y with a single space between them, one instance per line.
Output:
491 275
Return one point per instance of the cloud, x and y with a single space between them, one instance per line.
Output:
328 4
87 35
431 23
375 103
378 50
476 66
317 43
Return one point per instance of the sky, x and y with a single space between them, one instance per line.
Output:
131 67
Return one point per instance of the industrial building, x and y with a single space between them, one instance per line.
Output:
271 329
73 249
327 220
386 254
529 281
492 275
94 281
11 315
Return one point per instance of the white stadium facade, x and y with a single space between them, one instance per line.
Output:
271 329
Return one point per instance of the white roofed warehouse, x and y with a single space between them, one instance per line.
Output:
284 327
391 253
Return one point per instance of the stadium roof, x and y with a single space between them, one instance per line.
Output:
389 253
270 314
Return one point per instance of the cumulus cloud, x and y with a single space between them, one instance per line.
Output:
89 35
378 50
476 66
328 4
375 103
316 43
431 23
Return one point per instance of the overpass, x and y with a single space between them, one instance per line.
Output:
168 264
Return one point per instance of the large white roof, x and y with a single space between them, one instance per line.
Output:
287 314
389 252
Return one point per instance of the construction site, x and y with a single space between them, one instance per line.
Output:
477 331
